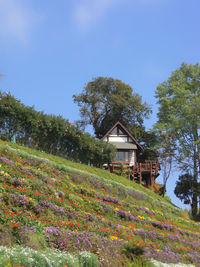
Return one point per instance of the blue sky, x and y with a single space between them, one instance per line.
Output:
49 49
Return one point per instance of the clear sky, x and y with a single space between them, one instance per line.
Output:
50 49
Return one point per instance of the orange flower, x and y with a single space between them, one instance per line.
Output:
13 225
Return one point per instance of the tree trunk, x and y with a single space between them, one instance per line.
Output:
198 151
195 180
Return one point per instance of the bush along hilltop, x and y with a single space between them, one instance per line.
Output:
54 212
49 133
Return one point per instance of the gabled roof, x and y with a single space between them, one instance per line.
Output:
126 131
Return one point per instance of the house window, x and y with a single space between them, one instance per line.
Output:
122 156
117 131
120 132
114 131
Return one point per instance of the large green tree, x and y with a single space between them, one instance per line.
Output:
179 116
105 101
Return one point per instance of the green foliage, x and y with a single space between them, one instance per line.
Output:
185 188
1 188
36 241
88 260
134 253
140 262
179 118
49 133
105 101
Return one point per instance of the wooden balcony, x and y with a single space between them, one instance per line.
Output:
146 171
148 166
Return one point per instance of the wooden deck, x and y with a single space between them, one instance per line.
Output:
145 170
142 171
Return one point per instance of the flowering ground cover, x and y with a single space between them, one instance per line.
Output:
47 202
48 257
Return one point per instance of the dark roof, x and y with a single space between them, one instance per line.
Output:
123 145
126 131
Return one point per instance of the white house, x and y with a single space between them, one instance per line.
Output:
127 147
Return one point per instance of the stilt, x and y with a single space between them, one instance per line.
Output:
111 168
140 170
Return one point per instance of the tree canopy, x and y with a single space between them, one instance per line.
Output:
179 116
104 101
50 133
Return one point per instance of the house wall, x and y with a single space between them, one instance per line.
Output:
119 136
121 139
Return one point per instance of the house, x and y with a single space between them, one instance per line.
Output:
128 151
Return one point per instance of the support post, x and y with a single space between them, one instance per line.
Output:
140 170
111 168
151 174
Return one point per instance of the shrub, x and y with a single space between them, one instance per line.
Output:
87 259
135 255
131 250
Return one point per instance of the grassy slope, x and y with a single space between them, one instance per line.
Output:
47 201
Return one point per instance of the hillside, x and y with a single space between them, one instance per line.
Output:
49 202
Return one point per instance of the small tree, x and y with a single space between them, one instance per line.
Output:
185 189
165 152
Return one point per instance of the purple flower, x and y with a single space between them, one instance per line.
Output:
7 161
53 230
59 210
20 199
110 199
128 216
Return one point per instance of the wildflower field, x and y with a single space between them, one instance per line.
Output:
82 216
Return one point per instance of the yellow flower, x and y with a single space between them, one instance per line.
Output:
113 237
141 217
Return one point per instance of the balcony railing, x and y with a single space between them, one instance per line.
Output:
147 166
